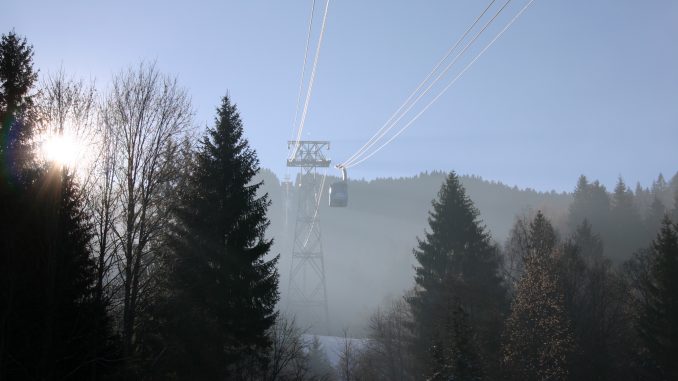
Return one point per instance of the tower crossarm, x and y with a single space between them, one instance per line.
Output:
308 153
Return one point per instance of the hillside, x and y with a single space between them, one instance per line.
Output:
368 245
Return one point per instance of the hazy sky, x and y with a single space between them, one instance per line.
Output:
575 86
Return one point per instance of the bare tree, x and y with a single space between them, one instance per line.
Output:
102 202
66 107
348 358
386 355
146 115
288 357
516 248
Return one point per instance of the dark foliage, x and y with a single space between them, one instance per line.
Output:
17 78
221 289
51 325
657 292
456 259
589 244
454 354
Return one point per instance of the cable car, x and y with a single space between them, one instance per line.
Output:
339 191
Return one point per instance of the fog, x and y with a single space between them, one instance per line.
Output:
339 191
368 245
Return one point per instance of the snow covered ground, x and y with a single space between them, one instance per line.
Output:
334 345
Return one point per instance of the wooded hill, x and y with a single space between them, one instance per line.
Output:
368 245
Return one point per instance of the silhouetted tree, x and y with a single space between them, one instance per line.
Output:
595 300
589 244
657 321
387 355
456 258
319 367
590 202
516 250
660 189
349 357
146 113
51 325
16 79
76 336
653 218
222 290
454 353
626 228
642 199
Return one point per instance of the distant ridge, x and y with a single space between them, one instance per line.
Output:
368 245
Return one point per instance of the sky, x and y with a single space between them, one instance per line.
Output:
573 87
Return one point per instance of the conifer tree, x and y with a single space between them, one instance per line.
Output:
654 217
591 202
17 79
658 316
538 336
660 188
457 259
222 289
76 334
454 353
51 326
588 243
626 228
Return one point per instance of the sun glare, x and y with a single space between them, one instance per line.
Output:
61 149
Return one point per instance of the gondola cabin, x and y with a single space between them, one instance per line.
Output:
339 192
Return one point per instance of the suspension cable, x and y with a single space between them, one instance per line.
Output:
303 68
379 134
441 75
446 87
311 80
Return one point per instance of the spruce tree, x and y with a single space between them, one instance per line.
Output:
454 352
457 259
51 326
588 243
538 338
17 78
591 202
76 333
658 316
222 289
654 217
626 228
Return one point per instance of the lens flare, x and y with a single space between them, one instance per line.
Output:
61 149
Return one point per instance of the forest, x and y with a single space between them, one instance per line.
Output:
137 246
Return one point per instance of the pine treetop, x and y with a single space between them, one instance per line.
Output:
16 73
455 227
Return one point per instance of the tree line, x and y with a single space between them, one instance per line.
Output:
542 306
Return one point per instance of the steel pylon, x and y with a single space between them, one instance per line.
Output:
307 291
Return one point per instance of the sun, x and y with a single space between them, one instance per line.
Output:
61 149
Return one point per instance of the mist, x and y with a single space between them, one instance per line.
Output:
338 191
